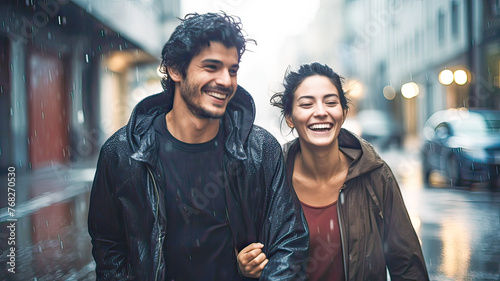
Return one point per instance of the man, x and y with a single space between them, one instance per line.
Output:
190 181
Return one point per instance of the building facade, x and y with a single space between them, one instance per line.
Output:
70 72
395 42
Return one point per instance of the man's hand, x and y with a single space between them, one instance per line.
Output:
251 260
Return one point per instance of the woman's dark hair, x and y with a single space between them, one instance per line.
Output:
195 32
292 81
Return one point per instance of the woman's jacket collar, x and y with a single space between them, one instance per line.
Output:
365 159
238 121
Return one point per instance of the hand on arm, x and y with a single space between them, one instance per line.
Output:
251 260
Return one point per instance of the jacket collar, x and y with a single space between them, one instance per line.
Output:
364 157
238 121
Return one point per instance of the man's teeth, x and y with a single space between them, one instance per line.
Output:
319 126
217 95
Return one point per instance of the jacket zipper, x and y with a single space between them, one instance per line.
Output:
225 186
157 216
339 210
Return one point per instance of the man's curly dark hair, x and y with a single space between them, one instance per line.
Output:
195 32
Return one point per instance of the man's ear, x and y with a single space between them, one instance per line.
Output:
174 74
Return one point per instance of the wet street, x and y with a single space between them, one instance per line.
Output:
458 228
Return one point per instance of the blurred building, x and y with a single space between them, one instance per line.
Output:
70 73
67 67
391 43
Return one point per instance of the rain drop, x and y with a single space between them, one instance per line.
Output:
87 58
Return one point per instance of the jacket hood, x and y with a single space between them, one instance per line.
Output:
358 149
365 159
238 121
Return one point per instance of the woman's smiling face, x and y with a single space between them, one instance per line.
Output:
317 114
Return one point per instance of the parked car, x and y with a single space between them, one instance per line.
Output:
463 146
379 128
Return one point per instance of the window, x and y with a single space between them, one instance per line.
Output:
441 27
454 20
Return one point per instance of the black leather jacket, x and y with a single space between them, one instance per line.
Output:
375 228
127 219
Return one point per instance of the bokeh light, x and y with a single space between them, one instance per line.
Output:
410 90
355 89
460 77
389 92
446 77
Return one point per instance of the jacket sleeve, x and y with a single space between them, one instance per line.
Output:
402 248
285 232
105 225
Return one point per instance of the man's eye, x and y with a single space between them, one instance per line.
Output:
211 67
233 72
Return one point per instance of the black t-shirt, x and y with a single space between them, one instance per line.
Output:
198 244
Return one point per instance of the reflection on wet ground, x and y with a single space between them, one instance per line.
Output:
457 227
51 238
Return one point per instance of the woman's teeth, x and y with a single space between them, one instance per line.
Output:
320 127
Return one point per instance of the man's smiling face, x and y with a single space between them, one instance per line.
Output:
211 81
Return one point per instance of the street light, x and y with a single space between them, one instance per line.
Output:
389 92
410 90
460 77
355 89
446 77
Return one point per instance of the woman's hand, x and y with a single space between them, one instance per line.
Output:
251 260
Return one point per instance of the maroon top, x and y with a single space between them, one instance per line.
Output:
325 249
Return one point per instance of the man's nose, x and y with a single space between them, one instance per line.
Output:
223 78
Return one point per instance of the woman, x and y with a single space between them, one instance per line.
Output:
358 223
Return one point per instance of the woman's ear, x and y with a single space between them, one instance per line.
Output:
174 74
346 111
289 121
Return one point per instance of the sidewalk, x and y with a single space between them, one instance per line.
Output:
50 218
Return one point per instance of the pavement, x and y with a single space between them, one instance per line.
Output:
47 226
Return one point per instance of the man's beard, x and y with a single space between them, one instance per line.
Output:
189 92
